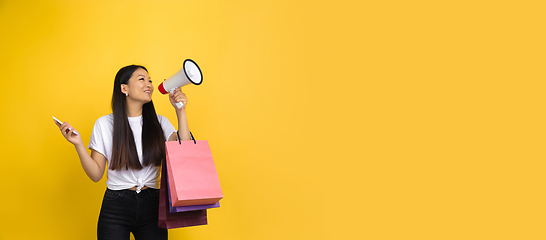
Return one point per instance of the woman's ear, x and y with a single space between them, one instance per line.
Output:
124 89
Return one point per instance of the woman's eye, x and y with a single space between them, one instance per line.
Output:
141 79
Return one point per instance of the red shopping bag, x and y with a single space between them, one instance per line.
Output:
170 220
193 179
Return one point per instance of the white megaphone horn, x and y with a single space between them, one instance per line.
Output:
190 73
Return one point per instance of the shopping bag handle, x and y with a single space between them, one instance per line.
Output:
180 142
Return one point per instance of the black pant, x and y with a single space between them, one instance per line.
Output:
125 211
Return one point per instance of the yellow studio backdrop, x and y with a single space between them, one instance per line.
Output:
327 119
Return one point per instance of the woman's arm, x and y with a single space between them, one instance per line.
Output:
92 165
183 129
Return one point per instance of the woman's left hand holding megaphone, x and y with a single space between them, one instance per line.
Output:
177 96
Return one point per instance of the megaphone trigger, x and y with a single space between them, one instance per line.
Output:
179 105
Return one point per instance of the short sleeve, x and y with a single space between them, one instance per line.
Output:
98 141
168 128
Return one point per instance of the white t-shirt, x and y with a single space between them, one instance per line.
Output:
101 141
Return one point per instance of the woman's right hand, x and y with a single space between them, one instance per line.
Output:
68 133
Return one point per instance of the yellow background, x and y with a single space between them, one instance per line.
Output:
327 119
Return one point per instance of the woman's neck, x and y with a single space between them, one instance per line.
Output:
134 109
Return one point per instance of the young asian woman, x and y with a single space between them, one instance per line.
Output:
131 143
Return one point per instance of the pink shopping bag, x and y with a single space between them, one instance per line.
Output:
187 208
193 179
170 220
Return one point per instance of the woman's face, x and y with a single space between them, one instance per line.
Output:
139 87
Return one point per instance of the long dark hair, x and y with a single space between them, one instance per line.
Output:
124 153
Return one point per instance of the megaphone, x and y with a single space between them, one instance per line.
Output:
190 73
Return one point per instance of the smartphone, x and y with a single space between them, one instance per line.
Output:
60 122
